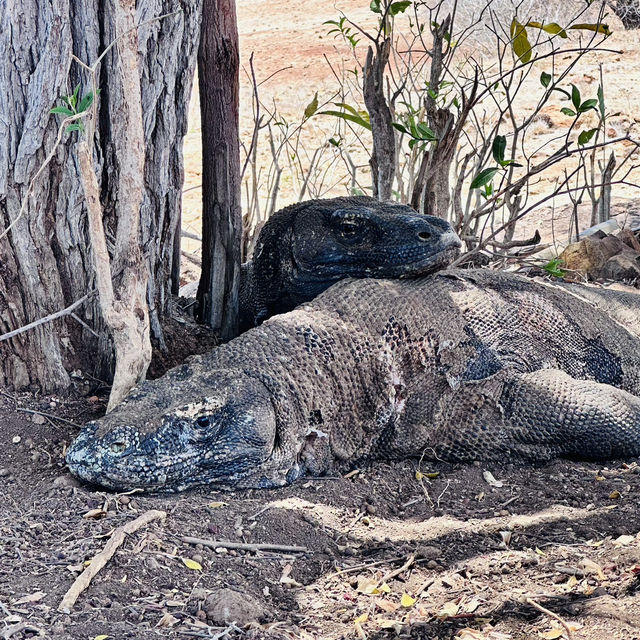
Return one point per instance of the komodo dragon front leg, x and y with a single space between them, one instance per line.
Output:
536 416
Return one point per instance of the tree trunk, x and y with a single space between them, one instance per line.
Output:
383 160
218 77
628 11
45 264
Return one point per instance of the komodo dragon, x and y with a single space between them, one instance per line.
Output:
460 365
306 247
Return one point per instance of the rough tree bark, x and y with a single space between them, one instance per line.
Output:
45 264
628 11
218 77
383 161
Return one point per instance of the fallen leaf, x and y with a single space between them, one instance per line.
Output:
596 543
367 586
289 581
540 552
407 601
95 514
472 605
102 637
34 597
167 620
384 588
386 605
491 481
475 634
449 609
622 541
192 564
217 505
361 618
591 567
553 634
385 623
615 495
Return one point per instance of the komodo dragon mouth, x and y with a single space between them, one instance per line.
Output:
460 365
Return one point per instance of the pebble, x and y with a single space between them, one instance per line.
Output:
124 500
429 552
37 418
4 472
199 593
226 605
196 557
370 509
16 439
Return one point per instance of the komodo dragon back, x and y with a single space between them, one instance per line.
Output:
460 365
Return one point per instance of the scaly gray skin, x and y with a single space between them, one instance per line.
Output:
305 248
459 365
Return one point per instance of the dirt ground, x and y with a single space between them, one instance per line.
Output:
385 553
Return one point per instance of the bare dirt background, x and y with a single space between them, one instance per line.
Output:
387 553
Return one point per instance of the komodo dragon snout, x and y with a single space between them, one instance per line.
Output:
180 440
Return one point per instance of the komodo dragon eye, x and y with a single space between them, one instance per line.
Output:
349 228
117 447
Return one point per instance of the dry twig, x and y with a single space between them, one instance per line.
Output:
531 602
100 560
245 546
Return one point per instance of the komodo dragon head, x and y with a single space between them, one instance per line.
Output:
170 435
305 248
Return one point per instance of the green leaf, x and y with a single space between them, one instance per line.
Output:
86 102
312 107
375 6
568 112
601 101
598 28
586 135
75 126
520 41
399 7
425 133
399 127
588 104
498 148
545 79
562 91
575 97
484 177
73 99
192 564
552 28
553 268
62 111
358 119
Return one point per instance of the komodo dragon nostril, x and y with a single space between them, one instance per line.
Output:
424 235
